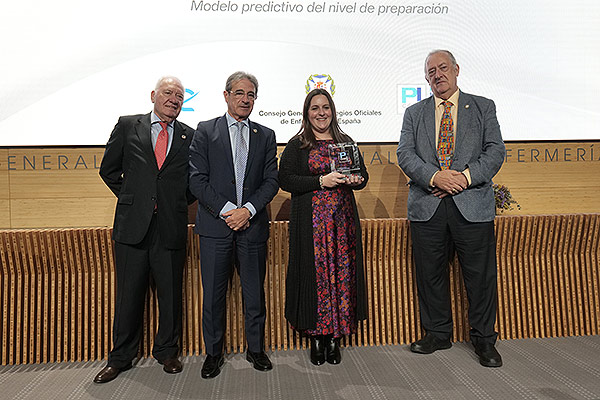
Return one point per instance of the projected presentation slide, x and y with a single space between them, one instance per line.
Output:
71 68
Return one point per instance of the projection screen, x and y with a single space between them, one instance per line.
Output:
70 68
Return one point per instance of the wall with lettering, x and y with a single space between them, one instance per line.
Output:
60 187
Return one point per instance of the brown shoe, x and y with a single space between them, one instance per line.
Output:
109 373
172 366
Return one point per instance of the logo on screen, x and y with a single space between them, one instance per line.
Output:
320 81
411 94
190 94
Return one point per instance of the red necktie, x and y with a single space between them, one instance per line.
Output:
445 148
160 149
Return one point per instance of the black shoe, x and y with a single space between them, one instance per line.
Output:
172 366
212 366
259 361
429 344
109 373
488 355
317 350
332 348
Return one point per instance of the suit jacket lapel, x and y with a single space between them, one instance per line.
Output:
178 140
429 121
464 116
142 130
223 132
253 145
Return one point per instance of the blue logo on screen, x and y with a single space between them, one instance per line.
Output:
411 94
192 95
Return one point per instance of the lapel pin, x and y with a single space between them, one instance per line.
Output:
183 136
466 106
254 130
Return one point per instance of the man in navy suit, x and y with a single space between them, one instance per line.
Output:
145 164
233 174
451 148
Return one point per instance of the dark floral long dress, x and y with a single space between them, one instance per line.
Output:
334 236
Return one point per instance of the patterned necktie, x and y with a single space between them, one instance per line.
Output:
445 148
241 157
160 149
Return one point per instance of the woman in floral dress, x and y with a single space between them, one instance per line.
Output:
325 290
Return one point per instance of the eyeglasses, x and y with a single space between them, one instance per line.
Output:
239 94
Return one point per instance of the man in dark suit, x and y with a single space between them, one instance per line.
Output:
145 164
451 148
233 174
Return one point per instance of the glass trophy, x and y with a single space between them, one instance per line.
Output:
344 158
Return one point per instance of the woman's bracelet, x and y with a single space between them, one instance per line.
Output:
321 181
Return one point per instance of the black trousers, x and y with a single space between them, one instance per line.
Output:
134 265
217 259
475 245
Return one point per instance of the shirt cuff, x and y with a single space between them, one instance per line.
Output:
227 207
431 180
467 175
250 208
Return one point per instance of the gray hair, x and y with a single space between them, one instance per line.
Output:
167 78
446 52
238 76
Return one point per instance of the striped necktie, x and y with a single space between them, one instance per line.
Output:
241 157
445 148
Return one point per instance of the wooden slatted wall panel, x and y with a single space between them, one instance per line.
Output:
58 289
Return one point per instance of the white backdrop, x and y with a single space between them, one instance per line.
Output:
70 68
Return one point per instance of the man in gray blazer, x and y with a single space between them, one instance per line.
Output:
233 174
450 148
